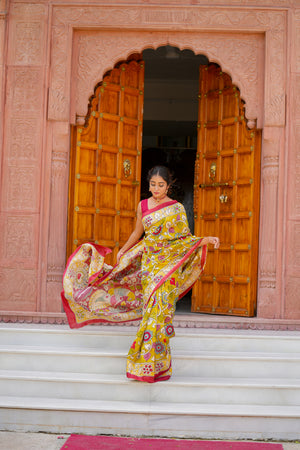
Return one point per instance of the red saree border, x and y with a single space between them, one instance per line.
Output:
203 257
157 377
72 317
157 208
102 250
148 379
69 312
93 279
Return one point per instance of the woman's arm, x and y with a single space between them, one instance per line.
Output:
135 235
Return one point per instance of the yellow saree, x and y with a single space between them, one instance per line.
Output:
146 285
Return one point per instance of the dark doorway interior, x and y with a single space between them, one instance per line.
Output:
170 123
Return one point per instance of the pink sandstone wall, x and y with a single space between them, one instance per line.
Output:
54 54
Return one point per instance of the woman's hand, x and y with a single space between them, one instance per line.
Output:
215 241
212 240
119 255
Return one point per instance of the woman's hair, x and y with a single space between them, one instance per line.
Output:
163 172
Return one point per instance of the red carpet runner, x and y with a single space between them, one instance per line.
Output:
81 442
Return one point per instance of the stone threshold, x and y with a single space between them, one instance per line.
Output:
181 320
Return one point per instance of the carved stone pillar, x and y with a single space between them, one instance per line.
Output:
268 295
58 215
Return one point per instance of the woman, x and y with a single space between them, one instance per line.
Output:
149 278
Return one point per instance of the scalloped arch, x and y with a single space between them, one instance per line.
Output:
239 58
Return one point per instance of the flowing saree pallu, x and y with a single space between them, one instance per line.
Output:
146 284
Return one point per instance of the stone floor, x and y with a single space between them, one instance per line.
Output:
43 441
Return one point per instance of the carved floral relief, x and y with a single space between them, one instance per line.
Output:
29 48
24 90
27 36
20 239
237 55
22 188
20 289
164 20
24 142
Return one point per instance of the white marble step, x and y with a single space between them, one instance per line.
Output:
285 392
207 421
120 338
192 363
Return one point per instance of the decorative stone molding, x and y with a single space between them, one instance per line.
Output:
20 289
49 318
159 19
180 321
27 41
291 304
59 165
29 36
240 56
55 273
25 90
24 146
21 193
20 239
268 218
58 213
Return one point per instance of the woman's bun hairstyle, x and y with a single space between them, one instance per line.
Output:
163 172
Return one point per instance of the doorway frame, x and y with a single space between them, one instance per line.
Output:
85 46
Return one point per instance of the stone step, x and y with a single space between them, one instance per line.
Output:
193 363
206 421
284 392
121 337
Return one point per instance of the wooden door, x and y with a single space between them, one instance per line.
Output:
105 167
226 198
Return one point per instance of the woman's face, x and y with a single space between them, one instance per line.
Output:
158 187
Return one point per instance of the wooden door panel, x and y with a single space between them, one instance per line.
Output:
105 164
87 161
228 136
226 197
108 164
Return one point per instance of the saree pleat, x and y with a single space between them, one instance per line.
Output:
145 285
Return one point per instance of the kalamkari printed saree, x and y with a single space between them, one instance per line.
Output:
146 284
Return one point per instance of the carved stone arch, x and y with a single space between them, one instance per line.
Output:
240 58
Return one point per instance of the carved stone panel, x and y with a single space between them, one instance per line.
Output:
20 289
27 43
239 55
58 214
291 296
132 22
19 240
21 188
29 48
24 90
294 248
24 140
269 208
275 82
294 174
